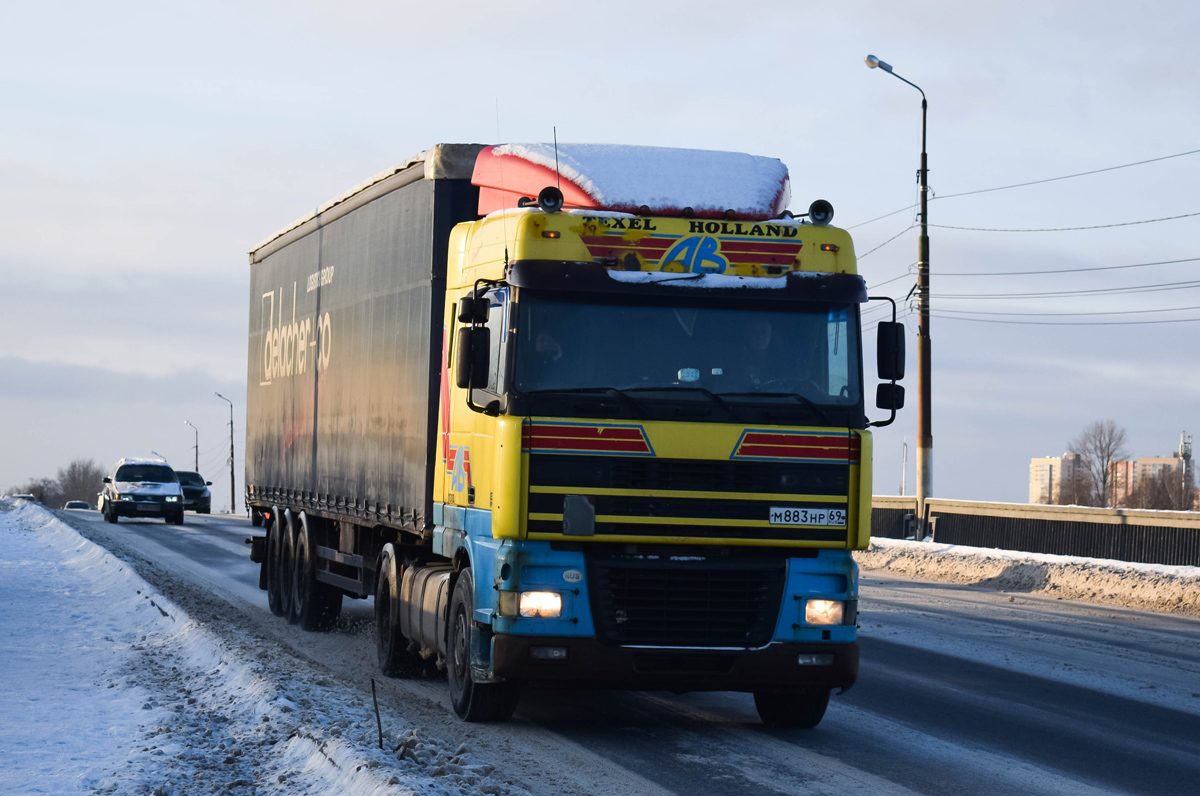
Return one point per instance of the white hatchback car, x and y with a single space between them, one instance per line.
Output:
142 488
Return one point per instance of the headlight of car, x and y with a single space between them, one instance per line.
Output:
124 497
205 493
172 498
543 604
824 612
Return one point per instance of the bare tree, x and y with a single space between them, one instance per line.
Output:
44 489
82 479
1172 490
1075 488
1098 445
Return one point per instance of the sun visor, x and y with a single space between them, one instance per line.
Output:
658 181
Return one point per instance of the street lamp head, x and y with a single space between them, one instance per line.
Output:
873 62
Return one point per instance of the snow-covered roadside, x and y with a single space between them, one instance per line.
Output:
1154 587
109 687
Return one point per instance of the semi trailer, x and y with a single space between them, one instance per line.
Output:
575 416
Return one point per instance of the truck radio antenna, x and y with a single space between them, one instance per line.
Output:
557 176
503 218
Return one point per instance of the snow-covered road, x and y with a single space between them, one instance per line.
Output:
961 690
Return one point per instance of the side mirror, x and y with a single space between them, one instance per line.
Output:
889 397
208 483
471 351
890 351
473 309
107 480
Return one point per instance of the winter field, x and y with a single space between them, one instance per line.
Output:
111 687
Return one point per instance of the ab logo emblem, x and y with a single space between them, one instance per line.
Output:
698 254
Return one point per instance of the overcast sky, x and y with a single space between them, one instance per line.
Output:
147 146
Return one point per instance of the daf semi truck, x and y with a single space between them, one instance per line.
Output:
576 416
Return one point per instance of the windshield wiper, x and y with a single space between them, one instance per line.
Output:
612 391
716 399
808 403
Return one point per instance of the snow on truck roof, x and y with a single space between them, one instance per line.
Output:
647 179
601 177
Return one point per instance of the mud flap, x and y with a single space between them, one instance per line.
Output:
481 655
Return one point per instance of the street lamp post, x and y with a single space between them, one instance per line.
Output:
232 492
924 402
197 447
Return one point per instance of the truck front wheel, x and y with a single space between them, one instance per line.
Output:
803 709
472 701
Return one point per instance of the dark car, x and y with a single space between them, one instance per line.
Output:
76 504
196 496
142 488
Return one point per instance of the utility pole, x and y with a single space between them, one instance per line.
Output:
232 491
924 353
904 467
197 446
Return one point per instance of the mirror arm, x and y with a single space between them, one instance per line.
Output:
892 419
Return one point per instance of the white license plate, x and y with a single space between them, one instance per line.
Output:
808 515
147 507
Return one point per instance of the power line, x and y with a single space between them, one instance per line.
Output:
1070 176
1091 292
1033 182
1064 229
1064 323
1067 270
889 240
1113 312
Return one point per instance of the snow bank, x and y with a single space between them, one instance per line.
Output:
109 687
1154 587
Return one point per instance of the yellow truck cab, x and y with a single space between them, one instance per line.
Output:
646 452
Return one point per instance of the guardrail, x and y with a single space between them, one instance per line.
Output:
1150 537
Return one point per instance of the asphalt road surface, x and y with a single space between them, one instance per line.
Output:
961 690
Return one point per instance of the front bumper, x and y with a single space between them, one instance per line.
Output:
592 663
140 508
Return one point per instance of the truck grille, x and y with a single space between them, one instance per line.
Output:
701 475
655 601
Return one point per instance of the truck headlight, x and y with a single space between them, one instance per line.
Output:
543 604
824 612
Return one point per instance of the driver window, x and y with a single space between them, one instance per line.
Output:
497 323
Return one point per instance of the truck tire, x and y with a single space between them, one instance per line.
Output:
472 701
274 554
394 658
802 709
287 566
316 604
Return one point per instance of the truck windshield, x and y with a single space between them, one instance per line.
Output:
800 354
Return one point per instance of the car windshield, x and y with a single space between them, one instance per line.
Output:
190 479
146 472
802 353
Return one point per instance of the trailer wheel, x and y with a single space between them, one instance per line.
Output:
394 658
316 604
287 566
792 709
274 575
472 701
